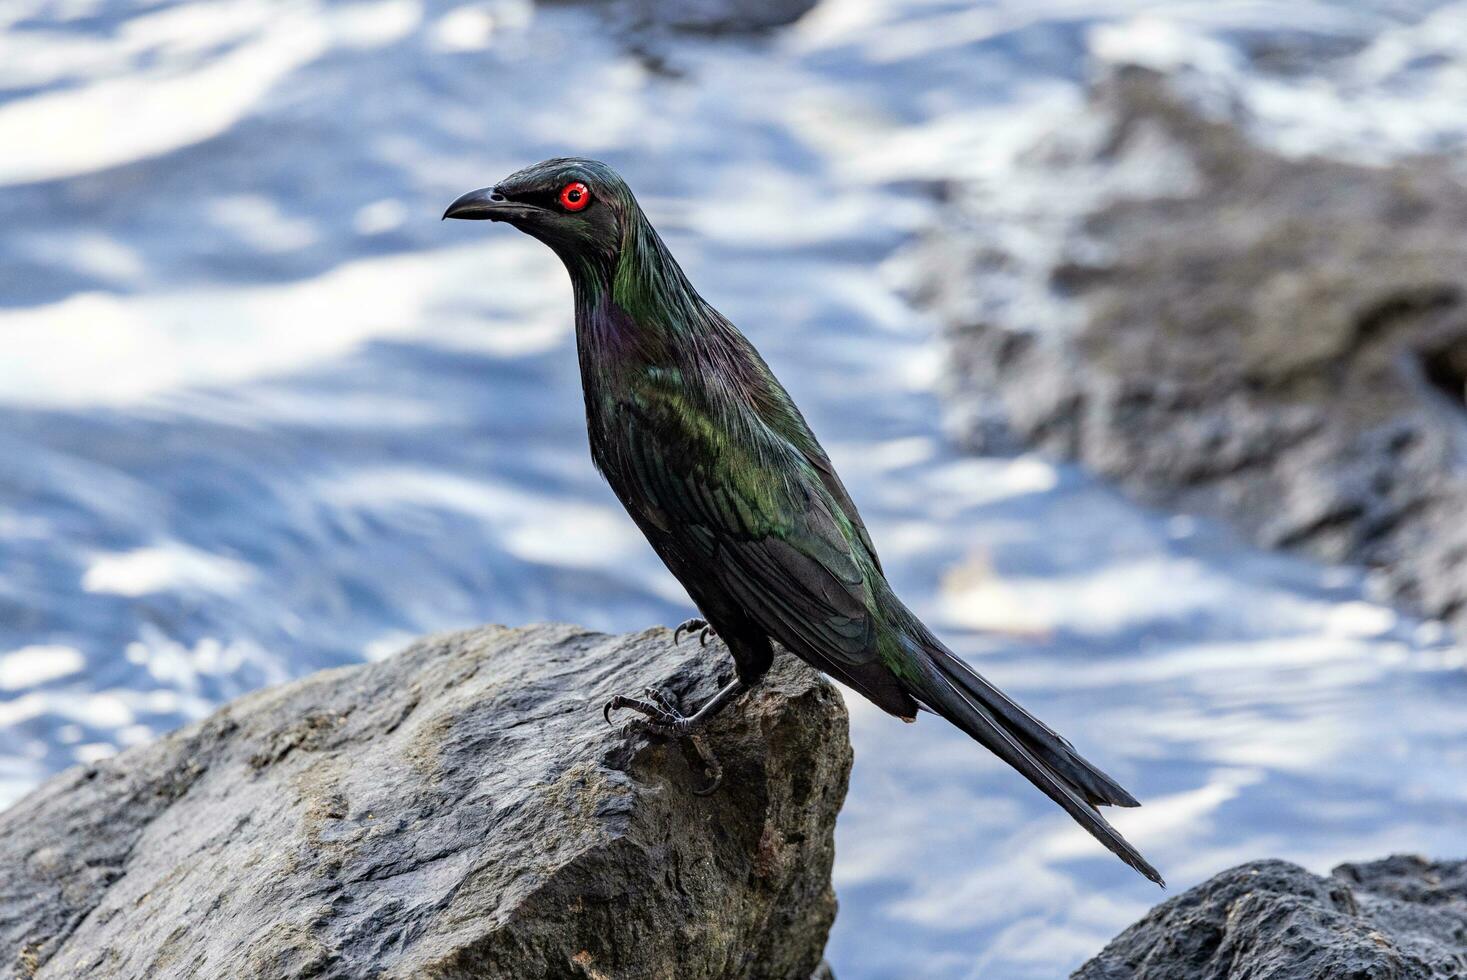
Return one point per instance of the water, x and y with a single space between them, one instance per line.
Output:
261 413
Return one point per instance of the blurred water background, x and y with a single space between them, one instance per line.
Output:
262 413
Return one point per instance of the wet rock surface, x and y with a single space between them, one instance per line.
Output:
1402 918
458 810
1223 329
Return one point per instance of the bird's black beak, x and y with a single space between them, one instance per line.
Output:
487 203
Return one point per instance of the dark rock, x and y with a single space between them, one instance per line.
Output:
721 16
1224 329
460 810
644 17
1398 919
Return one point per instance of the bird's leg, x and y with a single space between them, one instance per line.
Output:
695 625
661 718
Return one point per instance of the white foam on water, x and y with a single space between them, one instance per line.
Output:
566 533
129 116
151 93
103 348
171 565
34 665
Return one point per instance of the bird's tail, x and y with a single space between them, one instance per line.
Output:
958 693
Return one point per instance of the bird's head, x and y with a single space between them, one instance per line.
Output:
580 208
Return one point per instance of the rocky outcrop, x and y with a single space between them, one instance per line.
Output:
460 810
1398 919
1224 330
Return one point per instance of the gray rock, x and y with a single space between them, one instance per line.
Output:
1223 329
1402 918
460 810
720 16
644 19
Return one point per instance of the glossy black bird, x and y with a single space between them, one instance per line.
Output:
716 465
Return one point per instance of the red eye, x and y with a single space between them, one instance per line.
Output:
575 196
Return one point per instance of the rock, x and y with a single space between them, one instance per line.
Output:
460 810
720 16
1223 329
642 20
1402 918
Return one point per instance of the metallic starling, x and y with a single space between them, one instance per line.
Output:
715 464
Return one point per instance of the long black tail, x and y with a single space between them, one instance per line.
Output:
956 691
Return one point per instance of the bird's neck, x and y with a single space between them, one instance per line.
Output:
645 336
637 308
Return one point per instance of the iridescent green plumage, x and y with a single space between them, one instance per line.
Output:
716 465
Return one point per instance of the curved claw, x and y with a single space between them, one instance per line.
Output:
710 765
618 702
688 626
703 635
609 708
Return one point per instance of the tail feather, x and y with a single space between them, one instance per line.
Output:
1094 786
957 692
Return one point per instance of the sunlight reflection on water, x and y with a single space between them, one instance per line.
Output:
263 414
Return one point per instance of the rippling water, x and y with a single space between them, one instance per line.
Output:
261 413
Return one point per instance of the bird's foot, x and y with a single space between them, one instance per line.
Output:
699 626
661 719
660 715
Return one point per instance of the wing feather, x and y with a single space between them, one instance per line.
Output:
762 525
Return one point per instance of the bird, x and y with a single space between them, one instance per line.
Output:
717 467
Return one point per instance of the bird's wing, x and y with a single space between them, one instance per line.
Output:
815 454
778 411
756 518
